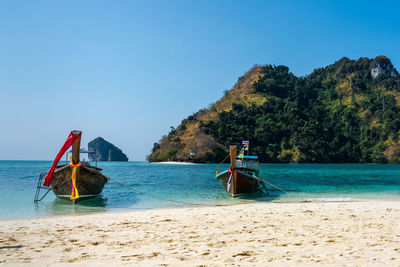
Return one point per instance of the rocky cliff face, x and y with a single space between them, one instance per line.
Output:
382 66
105 151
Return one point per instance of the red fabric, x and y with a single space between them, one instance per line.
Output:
70 140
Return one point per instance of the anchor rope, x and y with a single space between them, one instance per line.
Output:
268 183
277 187
191 203
154 196
216 169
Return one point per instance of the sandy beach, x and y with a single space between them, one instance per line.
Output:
338 233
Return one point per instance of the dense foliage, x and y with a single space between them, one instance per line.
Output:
336 114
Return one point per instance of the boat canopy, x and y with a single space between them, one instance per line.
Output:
247 157
83 151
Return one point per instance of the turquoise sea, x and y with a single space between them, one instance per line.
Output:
195 184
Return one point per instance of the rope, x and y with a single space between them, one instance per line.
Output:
216 169
268 183
189 203
277 187
154 196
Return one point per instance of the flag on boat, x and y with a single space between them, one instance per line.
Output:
245 144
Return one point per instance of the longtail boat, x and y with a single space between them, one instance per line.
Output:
74 181
242 176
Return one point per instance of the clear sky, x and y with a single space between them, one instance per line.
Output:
128 70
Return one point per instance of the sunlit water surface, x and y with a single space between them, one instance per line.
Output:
194 183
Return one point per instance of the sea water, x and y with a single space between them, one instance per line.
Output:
142 185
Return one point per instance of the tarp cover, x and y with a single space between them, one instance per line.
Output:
70 140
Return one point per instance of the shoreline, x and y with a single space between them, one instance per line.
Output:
201 205
333 233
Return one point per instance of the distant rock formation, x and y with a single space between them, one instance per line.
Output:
105 151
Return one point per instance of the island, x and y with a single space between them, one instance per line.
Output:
347 112
105 151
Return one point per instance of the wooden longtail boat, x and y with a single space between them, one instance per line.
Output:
241 177
88 180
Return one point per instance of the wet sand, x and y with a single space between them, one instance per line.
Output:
340 233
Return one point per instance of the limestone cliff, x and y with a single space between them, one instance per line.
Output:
105 151
382 66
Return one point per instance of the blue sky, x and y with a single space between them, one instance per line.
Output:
128 70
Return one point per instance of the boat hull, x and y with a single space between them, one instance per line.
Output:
245 183
89 182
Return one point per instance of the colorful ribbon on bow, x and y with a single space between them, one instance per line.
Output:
230 179
74 193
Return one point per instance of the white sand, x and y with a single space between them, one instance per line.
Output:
341 233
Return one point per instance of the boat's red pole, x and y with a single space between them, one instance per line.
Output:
75 160
73 136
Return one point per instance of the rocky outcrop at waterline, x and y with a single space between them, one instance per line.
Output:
105 151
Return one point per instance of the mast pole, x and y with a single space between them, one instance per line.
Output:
75 152
233 151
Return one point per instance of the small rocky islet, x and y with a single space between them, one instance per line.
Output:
105 151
